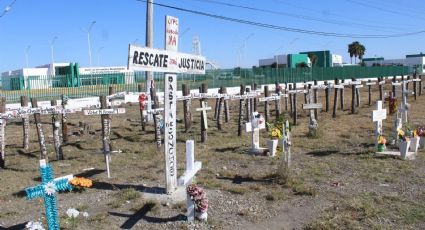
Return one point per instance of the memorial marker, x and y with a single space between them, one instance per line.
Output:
170 62
192 168
257 123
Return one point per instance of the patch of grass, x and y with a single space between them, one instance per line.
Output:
303 190
6 214
99 218
314 133
255 187
179 206
124 195
413 215
82 208
154 206
210 182
275 196
235 189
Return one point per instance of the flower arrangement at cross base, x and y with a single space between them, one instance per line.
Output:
199 197
381 143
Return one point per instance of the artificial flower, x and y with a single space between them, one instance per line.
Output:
72 213
81 182
50 188
34 225
381 140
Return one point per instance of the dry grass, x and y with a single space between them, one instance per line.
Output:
333 170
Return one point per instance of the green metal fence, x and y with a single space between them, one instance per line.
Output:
77 86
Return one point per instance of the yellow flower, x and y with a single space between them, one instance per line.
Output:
82 182
400 132
381 140
276 133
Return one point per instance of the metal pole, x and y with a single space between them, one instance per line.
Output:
88 40
26 54
51 47
149 43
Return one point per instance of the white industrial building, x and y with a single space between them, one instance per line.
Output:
281 60
336 60
413 60
52 75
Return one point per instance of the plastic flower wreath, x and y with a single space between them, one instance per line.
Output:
199 197
81 182
420 131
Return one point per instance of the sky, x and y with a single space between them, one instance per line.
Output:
27 29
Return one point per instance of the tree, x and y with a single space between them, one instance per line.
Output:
356 49
313 58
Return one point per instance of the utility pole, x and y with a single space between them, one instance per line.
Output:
149 43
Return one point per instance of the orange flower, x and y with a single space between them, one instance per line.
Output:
82 182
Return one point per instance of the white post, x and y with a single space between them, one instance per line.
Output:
377 116
149 43
170 90
405 105
170 132
190 160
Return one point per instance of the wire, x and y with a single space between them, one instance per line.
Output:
393 26
284 28
384 10
7 9
335 22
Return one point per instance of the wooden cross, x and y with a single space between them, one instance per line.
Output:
47 190
377 116
257 122
404 108
286 135
106 127
312 106
204 108
192 168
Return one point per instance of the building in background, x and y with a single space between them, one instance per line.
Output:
324 59
414 61
64 75
280 60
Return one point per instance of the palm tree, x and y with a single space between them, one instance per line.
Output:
313 58
361 51
356 49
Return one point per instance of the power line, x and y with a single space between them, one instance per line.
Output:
383 9
284 28
393 26
304 17
7 9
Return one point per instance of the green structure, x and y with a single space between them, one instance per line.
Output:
324 58
295 59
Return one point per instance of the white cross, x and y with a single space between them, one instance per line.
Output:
192 168
377 116
286 144
204 108
404 108
257 123
311 107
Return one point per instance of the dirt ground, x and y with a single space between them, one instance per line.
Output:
335 182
